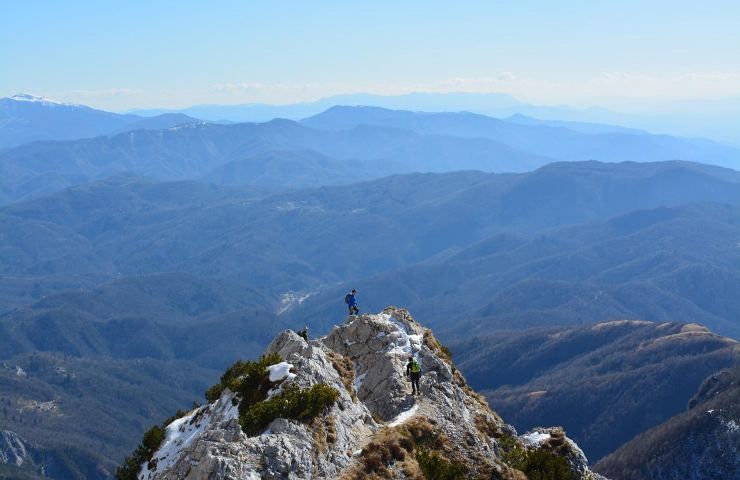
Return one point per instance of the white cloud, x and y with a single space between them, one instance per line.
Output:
614 89
106 93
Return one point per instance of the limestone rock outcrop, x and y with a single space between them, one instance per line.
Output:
375 427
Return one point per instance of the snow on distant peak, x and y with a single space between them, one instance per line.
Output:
24 97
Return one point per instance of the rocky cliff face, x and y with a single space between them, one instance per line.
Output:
376 428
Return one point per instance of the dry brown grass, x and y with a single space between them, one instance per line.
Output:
391 450
487 427
331 430
346 370
431 342
319 436
324 432
392 454
557 443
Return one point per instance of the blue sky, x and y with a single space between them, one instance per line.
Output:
125 54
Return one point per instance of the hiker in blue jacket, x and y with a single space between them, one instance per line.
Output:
351 300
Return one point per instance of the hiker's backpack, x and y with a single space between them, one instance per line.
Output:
347 297
415 367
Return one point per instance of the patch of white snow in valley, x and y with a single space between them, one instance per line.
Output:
290 299
535 438
403 416
732 425
280 371
252 475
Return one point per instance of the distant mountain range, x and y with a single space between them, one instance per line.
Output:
150 278
499 261
74 417
715 119
339 146
157 250
551 139
701 442
26 118
604 383
260 112
503 250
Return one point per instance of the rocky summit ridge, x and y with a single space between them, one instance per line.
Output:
374 428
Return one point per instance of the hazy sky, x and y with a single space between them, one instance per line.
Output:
125 54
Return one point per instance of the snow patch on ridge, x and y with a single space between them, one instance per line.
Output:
403 416
25 97
181 433
403 344
535 439
280 371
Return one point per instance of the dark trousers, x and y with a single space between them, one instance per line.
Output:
353 310
415 381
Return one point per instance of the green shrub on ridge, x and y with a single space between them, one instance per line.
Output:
250 382
249 379
435 467
295 403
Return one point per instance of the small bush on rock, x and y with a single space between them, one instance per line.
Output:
537 464
249 379
435 467
544 465
293 403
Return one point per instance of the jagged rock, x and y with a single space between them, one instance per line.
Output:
364 359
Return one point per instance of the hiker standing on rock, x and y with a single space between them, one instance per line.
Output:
413 370
351 300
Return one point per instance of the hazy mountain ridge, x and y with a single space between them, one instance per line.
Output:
216 249
195 150
414 101
702 442
604 383
164 316
81 414
251 237
357 143
25 119
542 138
712 119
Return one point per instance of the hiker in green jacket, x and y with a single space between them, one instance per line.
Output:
413 370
